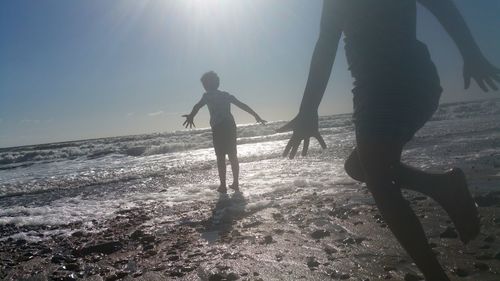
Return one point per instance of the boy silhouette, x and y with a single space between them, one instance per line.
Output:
396 90
223 126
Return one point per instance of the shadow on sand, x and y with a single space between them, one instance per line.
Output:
226 212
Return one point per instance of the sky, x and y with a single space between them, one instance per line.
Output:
83 69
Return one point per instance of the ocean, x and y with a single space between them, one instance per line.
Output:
86 181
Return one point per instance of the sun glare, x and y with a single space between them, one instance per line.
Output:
210 7
209 22
222 11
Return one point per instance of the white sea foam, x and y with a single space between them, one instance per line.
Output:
65 211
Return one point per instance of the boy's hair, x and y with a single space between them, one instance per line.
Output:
210 81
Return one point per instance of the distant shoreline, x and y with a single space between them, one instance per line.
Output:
68 142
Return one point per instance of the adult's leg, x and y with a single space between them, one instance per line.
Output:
377 158
235 167
221 166
448 189
353 167
409 177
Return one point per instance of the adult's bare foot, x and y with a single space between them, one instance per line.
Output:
458 203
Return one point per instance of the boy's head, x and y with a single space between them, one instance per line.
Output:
210 81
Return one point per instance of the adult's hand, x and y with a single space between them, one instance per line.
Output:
189 121
304 127
483 72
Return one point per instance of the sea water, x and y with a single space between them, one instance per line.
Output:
88 180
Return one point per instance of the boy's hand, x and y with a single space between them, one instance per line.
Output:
260 120
189 121
483 72
304 127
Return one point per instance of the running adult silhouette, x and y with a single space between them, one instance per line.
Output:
396 90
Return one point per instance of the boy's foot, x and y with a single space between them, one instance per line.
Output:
235 186
222 189
458 203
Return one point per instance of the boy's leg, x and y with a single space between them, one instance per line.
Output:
448 189
377 157
221 166
235 167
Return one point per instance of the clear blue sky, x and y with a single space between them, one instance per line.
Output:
92 68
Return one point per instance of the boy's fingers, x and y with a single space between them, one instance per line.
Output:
305 147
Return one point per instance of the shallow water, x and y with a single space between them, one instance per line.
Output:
57 184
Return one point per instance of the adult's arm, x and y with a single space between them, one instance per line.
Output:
476 66
305 124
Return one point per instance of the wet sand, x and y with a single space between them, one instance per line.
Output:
312 233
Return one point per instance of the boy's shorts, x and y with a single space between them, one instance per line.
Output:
224 137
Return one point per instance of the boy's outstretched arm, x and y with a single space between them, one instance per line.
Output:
476 66
247 108
305 124
190 117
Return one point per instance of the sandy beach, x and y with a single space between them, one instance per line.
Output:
313 233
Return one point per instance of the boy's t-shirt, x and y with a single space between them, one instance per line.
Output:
219 106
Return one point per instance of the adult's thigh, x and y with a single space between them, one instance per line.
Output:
378 157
